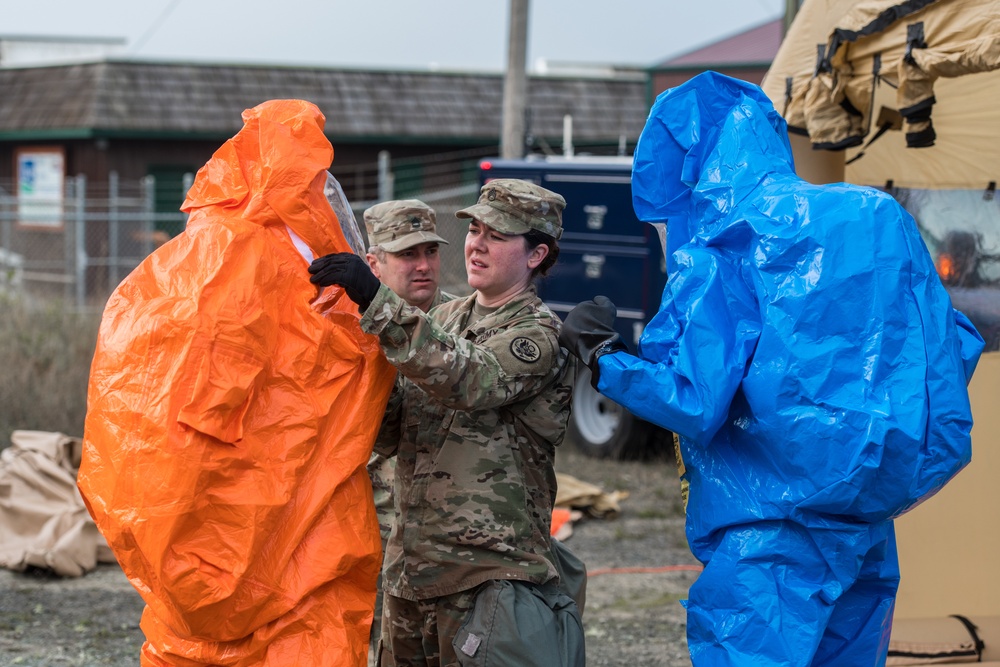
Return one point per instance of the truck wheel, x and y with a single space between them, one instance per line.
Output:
601 428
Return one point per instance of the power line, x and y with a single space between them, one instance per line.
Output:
154 26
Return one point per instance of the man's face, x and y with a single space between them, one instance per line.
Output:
411 273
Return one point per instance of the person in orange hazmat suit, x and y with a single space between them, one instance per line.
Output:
232 410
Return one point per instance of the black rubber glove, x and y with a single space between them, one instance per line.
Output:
588 332
348 271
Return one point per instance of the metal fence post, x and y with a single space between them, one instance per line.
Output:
7 210
149 211
385 177
186 182
113 223
81 240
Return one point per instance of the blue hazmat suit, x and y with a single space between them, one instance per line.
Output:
812 365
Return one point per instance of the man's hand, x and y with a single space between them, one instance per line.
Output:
588 332
348 271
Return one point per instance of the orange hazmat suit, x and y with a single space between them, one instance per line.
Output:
231 412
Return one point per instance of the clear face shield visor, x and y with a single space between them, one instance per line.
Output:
345 214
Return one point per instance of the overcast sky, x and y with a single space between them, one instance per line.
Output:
408 34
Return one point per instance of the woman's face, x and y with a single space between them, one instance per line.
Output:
499 265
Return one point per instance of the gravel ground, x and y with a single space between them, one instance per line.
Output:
632 618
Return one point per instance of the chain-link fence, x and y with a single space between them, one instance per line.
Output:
77 244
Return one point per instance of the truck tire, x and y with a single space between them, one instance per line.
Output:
601 428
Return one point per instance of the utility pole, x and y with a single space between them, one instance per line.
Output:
515 82
791 9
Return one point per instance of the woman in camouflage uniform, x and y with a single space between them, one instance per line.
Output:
475 483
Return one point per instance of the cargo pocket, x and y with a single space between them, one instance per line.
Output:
517 623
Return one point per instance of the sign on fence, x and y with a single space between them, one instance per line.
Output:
40 180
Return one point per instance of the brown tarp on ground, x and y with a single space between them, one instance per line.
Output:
579 495
846 68
43 521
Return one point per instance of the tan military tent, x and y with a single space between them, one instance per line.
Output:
904 95
925 69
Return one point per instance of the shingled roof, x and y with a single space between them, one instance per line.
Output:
158 99
756 45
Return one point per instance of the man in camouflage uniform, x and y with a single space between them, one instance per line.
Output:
404 250
404 255
475 483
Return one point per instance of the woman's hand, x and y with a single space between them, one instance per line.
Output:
349 271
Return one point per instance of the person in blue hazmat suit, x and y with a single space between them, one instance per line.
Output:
811 363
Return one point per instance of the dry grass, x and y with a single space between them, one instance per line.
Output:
45 354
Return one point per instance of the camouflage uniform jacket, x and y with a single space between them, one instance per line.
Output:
475 482
381 468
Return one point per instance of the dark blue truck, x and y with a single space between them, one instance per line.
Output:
605 250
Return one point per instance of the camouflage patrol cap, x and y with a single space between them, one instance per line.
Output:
400 224
514 206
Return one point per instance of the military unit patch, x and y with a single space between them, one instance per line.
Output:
525 349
